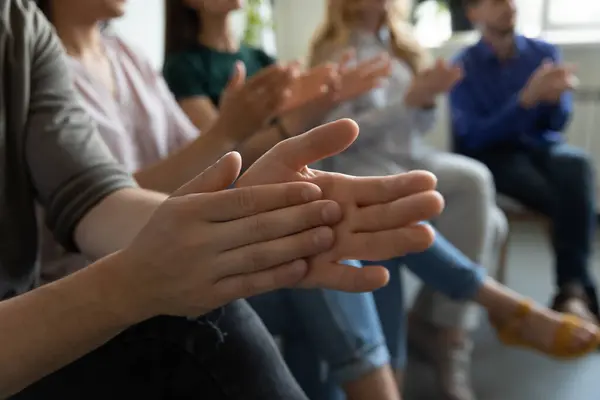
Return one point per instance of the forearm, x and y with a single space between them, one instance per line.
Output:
482 131
180 167
113 223
558 115
55 324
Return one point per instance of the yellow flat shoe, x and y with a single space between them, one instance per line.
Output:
561 348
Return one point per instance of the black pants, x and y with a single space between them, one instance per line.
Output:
556 181
225 355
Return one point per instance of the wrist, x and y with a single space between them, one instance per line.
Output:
223 135
525 100
118 289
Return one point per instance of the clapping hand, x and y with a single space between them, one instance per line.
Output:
381 215
548 83
431 82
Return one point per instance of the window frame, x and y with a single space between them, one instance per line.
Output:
547 25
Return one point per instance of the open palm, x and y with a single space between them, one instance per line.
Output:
381 215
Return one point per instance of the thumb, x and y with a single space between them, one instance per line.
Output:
217 177
547 63
238 76
319 143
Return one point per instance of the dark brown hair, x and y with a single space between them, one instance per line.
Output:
470 3
181 27
45 7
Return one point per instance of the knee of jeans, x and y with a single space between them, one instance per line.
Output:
363 363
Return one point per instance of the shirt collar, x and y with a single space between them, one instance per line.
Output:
486 52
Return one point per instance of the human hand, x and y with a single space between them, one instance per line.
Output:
431 82
311 85
206 246
358 79
344 81
311 98
381 215
246 106
548 83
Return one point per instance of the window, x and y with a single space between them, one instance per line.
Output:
559 19
537 16
573 14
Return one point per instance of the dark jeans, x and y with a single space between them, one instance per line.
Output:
226 355
557 181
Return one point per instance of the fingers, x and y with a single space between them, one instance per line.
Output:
238 76
314 145
374 67
249 201
384 245
313 85
347 57
547 63
279 223
400 213
335 276
264 255
217 177
271 96
364 77
265 75
252 284
378 190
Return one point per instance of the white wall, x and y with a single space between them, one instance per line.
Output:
295 22
143 27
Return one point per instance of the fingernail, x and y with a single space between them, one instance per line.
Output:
323 237
311 193
331 213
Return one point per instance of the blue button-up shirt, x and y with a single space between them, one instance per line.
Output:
485 109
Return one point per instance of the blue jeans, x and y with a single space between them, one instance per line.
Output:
341 328
442 267
557 181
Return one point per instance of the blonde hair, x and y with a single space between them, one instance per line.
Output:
335 31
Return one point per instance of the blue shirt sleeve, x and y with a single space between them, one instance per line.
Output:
477 131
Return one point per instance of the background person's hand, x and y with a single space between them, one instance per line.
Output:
206 246
338 83
247 106
548 83
431 82
357 79
381 215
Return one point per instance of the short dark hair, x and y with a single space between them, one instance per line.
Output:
181 26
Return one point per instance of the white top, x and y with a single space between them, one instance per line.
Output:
390 132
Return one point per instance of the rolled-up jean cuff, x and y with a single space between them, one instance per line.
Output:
364 361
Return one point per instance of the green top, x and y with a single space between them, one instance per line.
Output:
202 71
